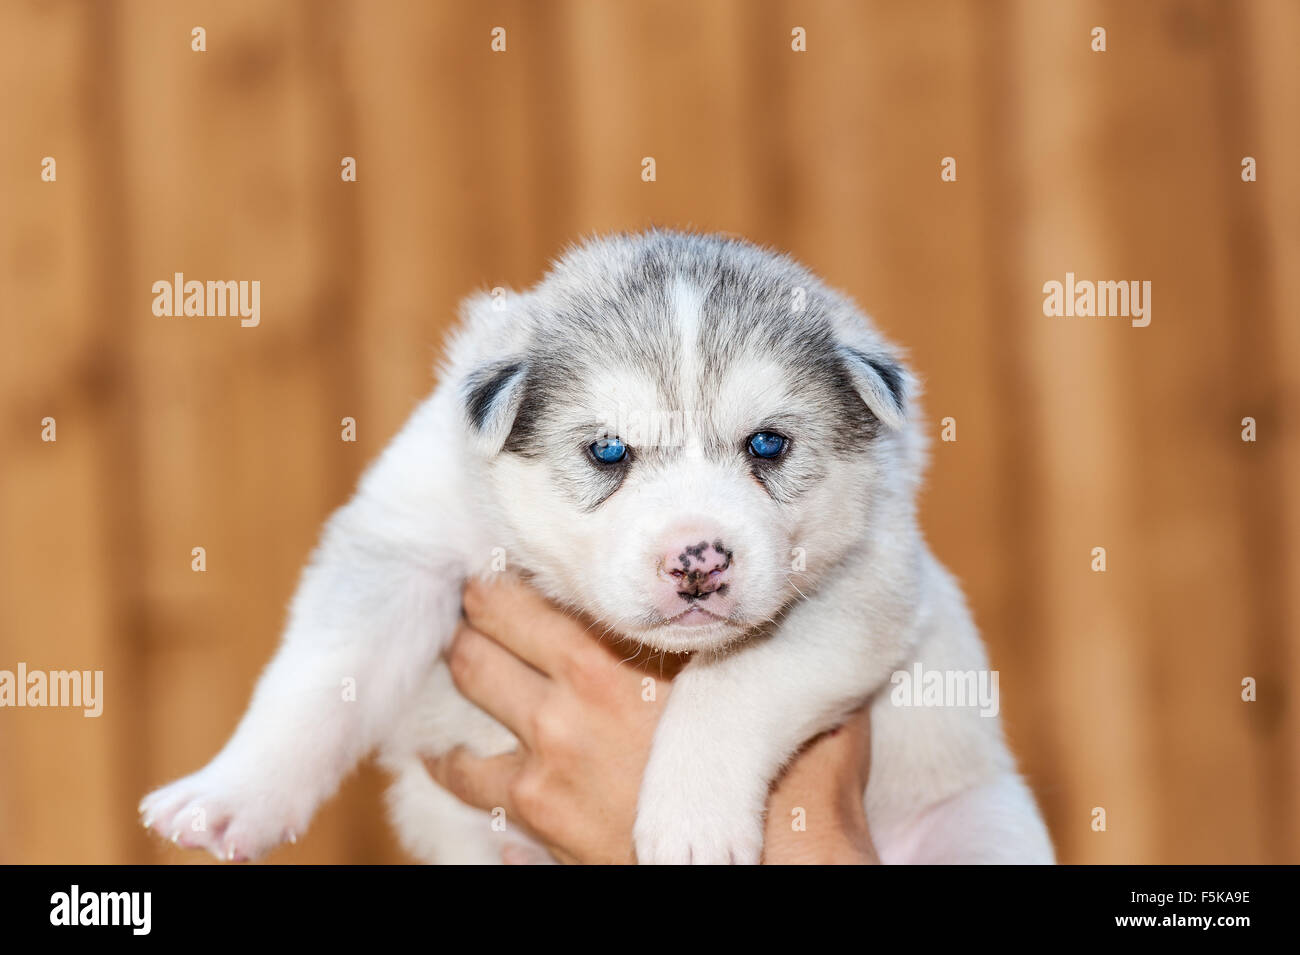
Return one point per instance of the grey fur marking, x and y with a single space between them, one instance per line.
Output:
608 304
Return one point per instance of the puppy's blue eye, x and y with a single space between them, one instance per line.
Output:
608 450
765 444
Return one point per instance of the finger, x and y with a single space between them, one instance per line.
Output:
857 733
496 680
479 781
522 620
857 730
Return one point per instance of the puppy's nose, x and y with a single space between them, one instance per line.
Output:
700 568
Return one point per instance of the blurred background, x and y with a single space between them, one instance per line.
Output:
1120 690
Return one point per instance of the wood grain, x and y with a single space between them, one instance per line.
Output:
1121 689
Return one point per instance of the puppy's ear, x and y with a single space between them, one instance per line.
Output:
881 382
492 394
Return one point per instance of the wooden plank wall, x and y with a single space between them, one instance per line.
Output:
1120 690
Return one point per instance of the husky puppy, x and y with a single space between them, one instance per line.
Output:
694 442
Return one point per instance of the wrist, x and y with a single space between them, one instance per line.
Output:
819 835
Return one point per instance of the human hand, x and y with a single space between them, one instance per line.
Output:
584 709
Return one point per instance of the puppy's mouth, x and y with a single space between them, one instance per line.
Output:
694 615
695 628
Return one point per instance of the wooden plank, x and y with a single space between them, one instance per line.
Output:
60 606
1269 85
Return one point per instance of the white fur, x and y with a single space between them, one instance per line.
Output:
379 600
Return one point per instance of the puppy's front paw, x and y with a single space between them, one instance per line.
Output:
679 831
230 814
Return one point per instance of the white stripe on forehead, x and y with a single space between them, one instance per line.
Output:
688 305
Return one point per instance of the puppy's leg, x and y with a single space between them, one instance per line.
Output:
373 610
733 720
432 824
436 827
726 731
